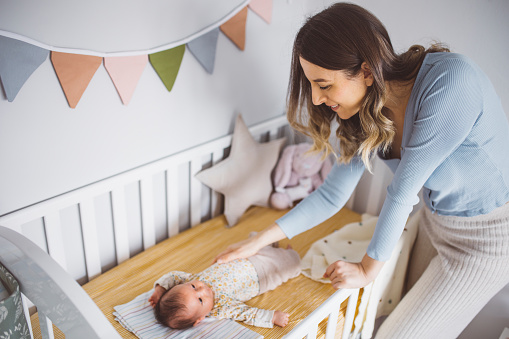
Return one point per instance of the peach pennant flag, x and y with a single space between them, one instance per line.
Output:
74 71
125 72
263 8
235 28
167 64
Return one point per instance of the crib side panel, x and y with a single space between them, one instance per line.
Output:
96 227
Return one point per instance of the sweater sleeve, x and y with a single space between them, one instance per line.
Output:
449 106
325 201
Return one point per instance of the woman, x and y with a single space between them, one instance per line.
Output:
435 119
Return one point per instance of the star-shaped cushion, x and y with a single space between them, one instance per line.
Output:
245 176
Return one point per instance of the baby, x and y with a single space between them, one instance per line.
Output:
183 300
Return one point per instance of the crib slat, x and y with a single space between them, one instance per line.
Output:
55 242
46 327
313 329
195 192
147 212
332 323
322 311
90 239
273 133
119 212
172 200
26 311
350 313
215 199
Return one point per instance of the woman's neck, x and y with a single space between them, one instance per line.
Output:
397 100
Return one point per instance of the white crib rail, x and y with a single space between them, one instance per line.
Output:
308 327
49 211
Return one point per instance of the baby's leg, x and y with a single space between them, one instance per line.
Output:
275 266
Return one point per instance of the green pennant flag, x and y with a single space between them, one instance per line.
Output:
167 64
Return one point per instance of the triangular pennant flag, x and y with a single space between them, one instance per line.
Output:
263 8
18 60
74 72
167 64
125 72
204 49
235 28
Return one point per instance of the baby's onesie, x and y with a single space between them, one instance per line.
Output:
237 281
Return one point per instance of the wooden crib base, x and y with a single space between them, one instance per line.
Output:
193 250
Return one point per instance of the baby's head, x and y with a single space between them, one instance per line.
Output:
185 305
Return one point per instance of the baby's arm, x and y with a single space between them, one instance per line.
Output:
166 282
158 292
280 318
236 310
173 278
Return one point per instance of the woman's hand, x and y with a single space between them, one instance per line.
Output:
251 246
344 274
241 249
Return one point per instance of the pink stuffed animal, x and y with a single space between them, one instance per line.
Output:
297 174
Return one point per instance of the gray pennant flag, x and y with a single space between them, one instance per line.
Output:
18 60
204 49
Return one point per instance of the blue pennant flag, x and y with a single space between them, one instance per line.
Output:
204 49
18 60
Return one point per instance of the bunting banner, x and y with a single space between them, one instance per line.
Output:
19 59
204 49
167 64
74 72
235 29
263 8
125 73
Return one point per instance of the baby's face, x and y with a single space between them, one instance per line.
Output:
197 296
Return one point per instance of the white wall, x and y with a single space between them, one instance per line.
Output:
47 148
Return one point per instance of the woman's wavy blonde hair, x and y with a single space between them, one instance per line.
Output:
342 37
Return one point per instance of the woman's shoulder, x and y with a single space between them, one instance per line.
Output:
446 58
441 63
444 70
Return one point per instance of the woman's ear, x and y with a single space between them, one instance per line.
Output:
368 76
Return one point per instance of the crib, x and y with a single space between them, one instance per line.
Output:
165 207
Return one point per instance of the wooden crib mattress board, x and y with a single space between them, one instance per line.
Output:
193 251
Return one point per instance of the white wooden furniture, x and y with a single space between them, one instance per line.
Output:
58 297
166 194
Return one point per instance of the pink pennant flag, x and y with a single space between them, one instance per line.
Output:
125 72
74 72
235 28
263 8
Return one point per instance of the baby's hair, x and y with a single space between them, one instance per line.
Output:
169 308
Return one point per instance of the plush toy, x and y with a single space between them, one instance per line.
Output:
297 174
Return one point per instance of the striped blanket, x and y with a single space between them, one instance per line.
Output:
137 317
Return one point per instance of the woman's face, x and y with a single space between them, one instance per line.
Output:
335 89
